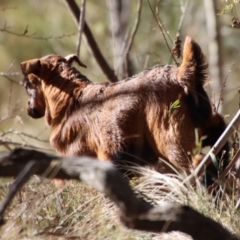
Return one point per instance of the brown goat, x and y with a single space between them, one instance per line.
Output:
131 121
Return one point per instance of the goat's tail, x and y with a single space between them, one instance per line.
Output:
192 73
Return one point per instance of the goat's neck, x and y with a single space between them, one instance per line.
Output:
62 95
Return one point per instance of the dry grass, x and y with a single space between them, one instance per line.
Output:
40 211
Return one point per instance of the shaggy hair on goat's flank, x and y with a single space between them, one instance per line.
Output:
128 122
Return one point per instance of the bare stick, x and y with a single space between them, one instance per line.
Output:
222 87
183 9
135 212
92 43
5 75
135 27
81 26
233 125
161 29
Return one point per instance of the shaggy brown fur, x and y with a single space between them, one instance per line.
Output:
129 121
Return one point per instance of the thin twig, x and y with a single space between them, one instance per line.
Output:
6 146
161 29
162 25
10 98
183 9
11 89
11 80
33 36
23 134
73 7
223 86
81 26
9 74
134 30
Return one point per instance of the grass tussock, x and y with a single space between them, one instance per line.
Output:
77 211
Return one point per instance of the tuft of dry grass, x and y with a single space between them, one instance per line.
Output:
223 208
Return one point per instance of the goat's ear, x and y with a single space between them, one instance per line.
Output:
193 70
30 66
73 58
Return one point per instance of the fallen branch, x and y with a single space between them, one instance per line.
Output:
135 212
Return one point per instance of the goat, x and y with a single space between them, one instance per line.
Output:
131 121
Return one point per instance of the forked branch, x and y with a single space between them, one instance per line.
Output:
73 7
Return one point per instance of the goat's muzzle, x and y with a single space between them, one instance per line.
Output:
34 113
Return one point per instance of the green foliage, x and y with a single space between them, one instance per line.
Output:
174 105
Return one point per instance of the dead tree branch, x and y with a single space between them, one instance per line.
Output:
135 27
73 7
135 212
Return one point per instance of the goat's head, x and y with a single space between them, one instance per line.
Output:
36 71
